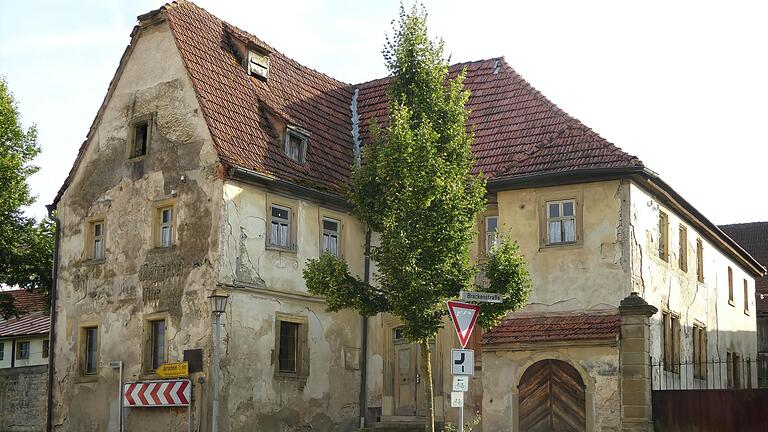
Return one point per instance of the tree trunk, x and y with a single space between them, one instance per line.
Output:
426 369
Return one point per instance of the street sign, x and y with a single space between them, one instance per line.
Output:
462 362
461 383
457 399
173 370
167 393
464 316
477 296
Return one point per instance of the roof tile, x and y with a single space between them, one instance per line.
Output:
522 329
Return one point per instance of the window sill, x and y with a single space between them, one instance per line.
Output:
730 302
561 246
92 261
89 378
281 249
746 312
287 376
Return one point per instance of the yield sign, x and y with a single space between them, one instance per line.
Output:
464 316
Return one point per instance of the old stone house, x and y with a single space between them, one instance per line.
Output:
216 162
24 353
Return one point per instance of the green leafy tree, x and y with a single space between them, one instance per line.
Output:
416 190
26 247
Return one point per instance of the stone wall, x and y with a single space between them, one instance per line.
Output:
23 399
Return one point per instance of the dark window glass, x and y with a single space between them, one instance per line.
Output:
91 341
22 350
140 135
45 348
158 343
289 340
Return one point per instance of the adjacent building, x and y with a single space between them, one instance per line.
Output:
217 163
753 237
24 351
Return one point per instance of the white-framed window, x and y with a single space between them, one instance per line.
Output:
258 64
296 144
280 232
166 226
491 232
331 236
561 222
98 240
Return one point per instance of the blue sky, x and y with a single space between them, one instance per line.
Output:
680 84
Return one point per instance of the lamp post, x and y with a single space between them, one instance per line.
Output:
218 305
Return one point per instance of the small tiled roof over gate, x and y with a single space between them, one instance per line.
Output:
550 328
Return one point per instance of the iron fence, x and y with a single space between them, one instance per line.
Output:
715 374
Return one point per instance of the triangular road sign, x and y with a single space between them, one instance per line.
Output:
464 316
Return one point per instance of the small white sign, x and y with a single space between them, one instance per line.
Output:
462 362
461 383
457 399
482 297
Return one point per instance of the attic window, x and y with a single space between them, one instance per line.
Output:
258 64
296 143
140 138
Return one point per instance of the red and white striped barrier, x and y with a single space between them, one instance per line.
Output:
157 393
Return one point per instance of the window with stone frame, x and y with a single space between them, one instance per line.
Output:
670 337
699 338
699 260
157 344
98 235
663 236
89 353
140 136
561 222
291 346
490 233
331 236
280 232
682 248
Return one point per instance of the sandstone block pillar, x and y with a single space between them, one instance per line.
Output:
635 372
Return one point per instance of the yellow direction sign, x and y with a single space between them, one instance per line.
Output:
173 370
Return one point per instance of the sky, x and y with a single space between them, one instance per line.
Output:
682 85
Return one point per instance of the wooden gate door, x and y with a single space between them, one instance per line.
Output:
552 398
405 377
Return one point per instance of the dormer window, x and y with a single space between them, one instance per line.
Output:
258 64
296 143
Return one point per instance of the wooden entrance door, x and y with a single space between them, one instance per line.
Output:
552 398
406 355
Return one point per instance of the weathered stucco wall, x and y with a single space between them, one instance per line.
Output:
136 280
593 274
23 399
264 282
665 285
598 367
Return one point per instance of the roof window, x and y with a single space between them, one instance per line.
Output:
296 140
258 64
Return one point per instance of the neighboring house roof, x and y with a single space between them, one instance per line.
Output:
34 319
550 328
753 237
519 134
29 324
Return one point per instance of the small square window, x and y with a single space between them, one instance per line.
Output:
89 351
22 350
331 235
157 344
280 232
561 222
46 348
296 144
140 139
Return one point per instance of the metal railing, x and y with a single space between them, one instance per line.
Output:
714 374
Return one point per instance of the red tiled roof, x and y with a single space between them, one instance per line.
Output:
753 237
517 130
554 328
29 324
236 106
26 301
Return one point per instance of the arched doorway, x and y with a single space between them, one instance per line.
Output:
552 398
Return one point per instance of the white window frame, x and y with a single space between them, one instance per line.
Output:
98 240
331 234
491 238
165 241
561 219
258 64
281 221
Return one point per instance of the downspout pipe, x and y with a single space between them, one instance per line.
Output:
52 333
363 403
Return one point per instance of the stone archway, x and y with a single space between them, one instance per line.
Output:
552 398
